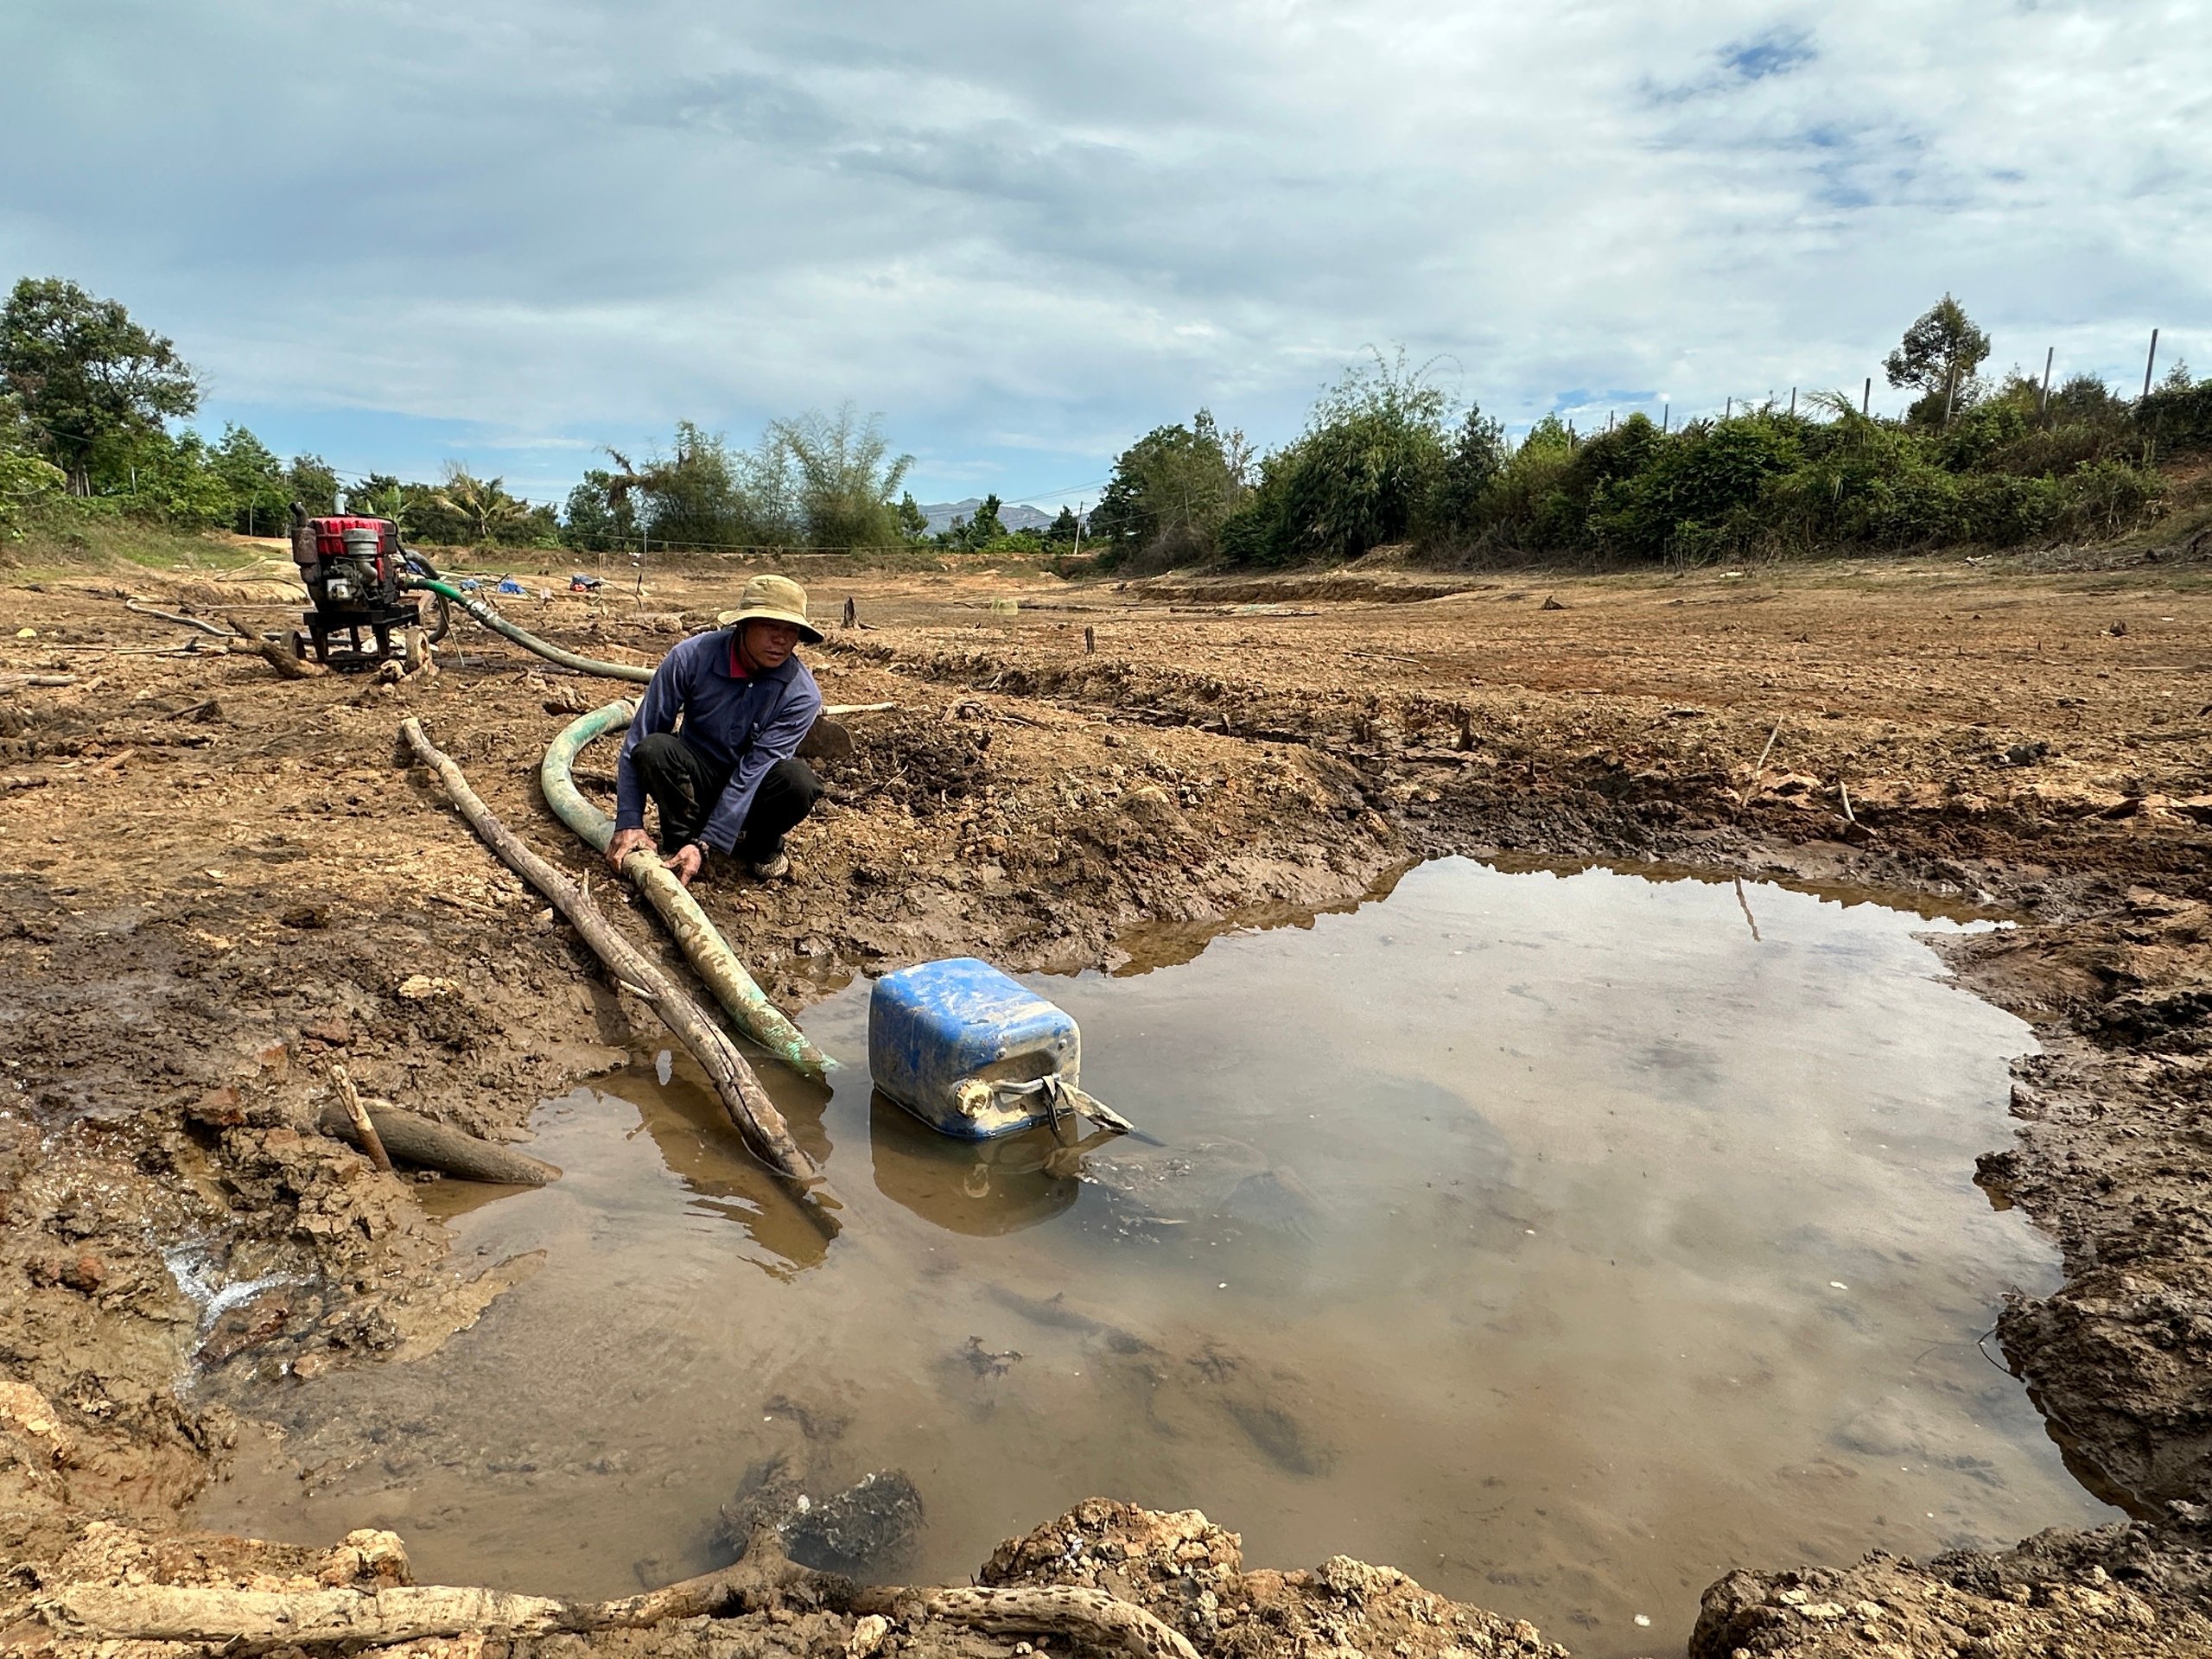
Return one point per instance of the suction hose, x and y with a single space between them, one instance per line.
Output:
733 987
641 673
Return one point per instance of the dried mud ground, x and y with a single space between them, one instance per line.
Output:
214 883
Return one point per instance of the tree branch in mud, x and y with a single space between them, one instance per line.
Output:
258 1621
423 1141
275 650
742 1096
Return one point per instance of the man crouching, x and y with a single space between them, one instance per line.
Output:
729 781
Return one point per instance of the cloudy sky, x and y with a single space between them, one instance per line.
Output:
508 232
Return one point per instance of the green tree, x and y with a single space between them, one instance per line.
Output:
1939 356
1373 449
986 526
261 495
845 477
707 494
1170 492
178 479
1472 465
82 372
487 512
1066 527
914 523
362 497
597 519
311 481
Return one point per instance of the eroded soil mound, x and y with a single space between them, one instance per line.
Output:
2119 1592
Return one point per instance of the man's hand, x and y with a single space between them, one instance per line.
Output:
626 843
685 861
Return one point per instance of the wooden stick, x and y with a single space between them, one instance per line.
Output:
177 617
131 650
364 1130
1844 790
742 1096
1745 799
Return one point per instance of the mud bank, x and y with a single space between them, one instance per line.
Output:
215 883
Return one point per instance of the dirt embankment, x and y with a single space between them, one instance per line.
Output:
214 883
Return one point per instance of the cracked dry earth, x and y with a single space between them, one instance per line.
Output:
214 883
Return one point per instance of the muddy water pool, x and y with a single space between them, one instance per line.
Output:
1564 1238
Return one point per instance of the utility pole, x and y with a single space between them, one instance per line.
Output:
1666 416
1866 398
2150 363
1950 390
1078 530
1793 402
2043 403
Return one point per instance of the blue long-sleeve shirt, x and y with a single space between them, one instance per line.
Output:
747 724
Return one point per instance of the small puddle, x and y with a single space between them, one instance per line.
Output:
1565 1239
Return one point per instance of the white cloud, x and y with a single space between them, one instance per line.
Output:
1016 230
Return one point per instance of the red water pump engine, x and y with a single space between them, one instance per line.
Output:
352 568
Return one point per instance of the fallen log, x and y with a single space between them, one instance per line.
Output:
258 1621
413 1139
276 650
742 1096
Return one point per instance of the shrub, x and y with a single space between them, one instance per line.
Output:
2108 498
1526 503
2057 450
26 483
2003 509
1694 497
2179 418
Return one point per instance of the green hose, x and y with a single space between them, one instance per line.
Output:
718 965
552 653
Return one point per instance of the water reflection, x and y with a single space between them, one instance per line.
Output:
700 1148
980 1188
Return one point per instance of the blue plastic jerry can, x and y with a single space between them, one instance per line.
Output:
954 1042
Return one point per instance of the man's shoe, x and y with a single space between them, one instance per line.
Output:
772 869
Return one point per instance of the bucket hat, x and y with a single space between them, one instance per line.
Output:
773 599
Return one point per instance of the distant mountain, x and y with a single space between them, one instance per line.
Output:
1014 518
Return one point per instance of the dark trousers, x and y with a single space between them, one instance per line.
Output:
686 786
